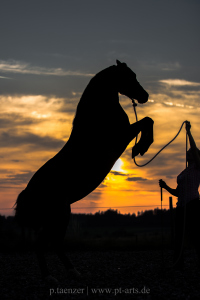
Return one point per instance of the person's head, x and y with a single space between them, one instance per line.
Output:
190 156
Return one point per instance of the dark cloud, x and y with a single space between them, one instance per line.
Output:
170 177
136 179
14 119
29 140
116 173
13 180
16 160
168 163
43 85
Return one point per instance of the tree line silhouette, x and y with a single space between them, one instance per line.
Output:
103 224
108 218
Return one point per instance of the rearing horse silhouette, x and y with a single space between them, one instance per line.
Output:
100 134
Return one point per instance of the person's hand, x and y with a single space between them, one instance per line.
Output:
187 126
162 183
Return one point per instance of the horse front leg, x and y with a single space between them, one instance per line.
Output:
145 126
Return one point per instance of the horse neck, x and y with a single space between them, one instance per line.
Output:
103 86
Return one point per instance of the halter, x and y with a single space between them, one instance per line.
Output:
134 107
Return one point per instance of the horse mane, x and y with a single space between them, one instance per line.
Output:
98 85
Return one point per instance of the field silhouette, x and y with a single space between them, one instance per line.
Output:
125 249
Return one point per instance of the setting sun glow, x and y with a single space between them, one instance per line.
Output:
117 166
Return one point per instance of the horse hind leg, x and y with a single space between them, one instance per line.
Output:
58 240
54 232
43 237
71 271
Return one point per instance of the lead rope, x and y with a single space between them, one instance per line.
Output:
185 200
134 107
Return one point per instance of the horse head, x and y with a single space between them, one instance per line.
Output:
128 85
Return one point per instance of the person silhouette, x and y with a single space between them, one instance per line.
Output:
188 198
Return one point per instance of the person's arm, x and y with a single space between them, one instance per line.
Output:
173 192
193 145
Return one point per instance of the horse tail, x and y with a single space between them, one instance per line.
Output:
21 209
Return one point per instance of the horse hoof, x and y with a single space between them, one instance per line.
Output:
73 273
135 150
50 280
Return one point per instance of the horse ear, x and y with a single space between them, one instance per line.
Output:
118 62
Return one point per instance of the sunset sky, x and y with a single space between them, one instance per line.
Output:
49 52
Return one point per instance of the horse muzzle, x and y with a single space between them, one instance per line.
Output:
142 97
140 94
